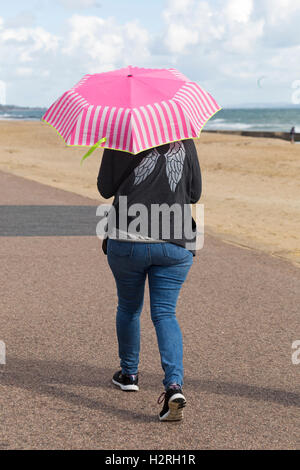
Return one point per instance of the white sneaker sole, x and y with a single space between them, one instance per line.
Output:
126 388
176 404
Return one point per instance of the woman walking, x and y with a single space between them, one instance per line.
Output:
146 120
168 177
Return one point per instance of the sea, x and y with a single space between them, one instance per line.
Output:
238 119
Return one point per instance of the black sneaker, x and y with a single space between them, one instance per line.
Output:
173 405
128 383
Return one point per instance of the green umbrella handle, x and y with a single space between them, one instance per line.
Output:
97 144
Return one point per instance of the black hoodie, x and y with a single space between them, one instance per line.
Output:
165 175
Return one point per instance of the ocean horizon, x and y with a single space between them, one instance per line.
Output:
272 119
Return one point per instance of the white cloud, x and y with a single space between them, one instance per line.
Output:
89 44
279 11
25 18
102 44
24 72
237 26
25 42
24 54
179 37
282 19
243 40
190 22
239 10
284 64
233 42
80 3
177 7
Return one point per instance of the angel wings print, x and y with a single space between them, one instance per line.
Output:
174 164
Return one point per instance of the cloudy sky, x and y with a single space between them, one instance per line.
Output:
241 51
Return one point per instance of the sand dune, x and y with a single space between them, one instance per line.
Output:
251 186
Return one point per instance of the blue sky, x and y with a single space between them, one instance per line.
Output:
241 51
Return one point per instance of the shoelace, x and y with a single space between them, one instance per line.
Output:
162 396
130 376
159 401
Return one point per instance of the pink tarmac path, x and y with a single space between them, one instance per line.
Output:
239 313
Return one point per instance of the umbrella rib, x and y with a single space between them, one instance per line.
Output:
75 124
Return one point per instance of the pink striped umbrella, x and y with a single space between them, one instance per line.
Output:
131 109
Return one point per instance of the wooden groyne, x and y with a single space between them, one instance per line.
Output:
269 134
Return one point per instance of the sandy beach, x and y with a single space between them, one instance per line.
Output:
251 186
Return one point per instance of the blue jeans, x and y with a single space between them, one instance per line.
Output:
167 266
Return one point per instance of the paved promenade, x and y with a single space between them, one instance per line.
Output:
239 313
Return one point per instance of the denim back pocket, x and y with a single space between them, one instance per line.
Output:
119 248
175 251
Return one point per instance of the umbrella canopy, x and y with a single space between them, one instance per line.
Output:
131 109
